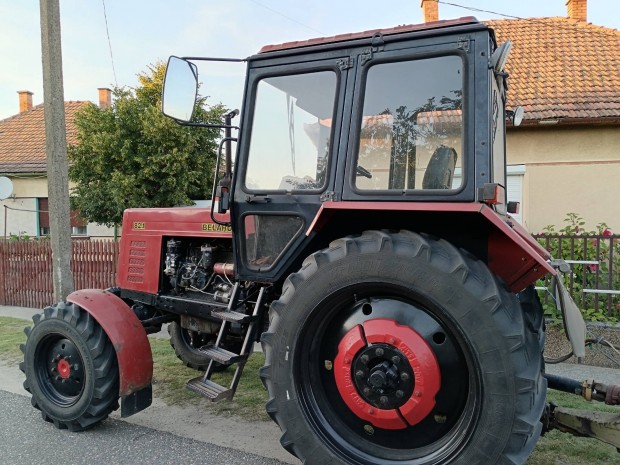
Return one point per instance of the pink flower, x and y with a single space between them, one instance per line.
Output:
607 232
593 268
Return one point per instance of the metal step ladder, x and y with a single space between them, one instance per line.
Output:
202 384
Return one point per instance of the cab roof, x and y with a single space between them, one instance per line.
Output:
370 33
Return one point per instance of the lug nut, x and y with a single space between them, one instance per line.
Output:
367 391
359 373
379 352
364 359
395 359
400 394
404 376
383 400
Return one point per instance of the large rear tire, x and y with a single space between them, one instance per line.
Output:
71 368
397 348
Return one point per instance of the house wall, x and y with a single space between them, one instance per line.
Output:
568 169
26 191
18 222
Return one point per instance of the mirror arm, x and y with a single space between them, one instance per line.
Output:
230 60
217 184
205 125
228 137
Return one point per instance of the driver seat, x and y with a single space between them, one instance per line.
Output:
440 170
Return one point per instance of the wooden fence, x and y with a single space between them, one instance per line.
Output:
26 270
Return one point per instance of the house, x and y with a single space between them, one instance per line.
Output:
565 156
23 161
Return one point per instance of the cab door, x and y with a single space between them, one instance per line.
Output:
286 160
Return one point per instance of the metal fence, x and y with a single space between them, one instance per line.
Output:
595 262
26 269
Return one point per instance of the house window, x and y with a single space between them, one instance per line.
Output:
44 217
78 225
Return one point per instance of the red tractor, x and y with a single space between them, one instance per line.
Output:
363 237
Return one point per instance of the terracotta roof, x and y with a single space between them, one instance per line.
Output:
563 69
22 139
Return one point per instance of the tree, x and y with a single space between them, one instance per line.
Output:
130 155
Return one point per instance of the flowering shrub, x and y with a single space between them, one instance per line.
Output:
601 246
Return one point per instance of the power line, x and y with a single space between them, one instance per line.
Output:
480 10
105 16
287 17
591 30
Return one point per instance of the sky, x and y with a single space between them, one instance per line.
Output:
144 32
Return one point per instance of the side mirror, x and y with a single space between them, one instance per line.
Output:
500 57
180 89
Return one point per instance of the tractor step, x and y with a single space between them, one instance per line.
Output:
232 316
203 384
223 356
207 388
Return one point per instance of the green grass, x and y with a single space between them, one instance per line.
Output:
557 448
170 376
11 336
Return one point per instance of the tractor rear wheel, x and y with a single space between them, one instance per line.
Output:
71 368
397 348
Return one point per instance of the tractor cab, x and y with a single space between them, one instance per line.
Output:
386 119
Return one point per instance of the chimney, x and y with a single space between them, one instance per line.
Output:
430 10
105 97
25 100
577 9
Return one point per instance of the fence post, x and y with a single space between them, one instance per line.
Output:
3 245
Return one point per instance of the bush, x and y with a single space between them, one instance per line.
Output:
575 242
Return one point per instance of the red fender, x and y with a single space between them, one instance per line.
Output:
133 351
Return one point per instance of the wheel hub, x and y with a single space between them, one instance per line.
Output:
63 369
383 376
387 374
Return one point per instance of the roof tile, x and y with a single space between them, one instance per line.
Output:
22 139
561 68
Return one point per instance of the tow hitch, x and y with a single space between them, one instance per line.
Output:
599 425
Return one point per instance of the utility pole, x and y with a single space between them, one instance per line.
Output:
56 148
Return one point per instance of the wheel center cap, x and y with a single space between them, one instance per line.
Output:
64 369
383 376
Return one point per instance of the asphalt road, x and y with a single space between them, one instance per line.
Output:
26 439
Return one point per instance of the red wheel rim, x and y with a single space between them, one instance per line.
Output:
417 358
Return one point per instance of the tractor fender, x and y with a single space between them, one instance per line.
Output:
125 331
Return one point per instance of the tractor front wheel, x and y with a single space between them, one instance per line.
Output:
71 368
397 348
